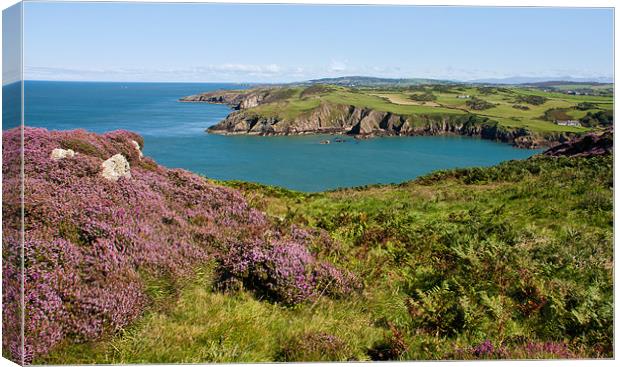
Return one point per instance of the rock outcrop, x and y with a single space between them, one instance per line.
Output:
137 146
589 145
58 154
238 99
116 167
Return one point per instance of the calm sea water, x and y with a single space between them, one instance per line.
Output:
174 136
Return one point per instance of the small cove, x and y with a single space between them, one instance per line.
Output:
174 136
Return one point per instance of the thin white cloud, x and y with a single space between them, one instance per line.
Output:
222 72
235 72
338 66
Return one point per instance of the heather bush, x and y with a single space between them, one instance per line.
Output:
281 271
528 350
90 243
314 346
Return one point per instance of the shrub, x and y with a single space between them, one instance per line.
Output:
530 99
391 348
81 146
582 106
478 104
599 118
281 271
423 97
529 350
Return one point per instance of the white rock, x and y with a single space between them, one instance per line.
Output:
58 154
137 146
115 167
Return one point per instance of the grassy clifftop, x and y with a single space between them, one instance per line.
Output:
410 110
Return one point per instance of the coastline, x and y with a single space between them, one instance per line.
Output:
360 122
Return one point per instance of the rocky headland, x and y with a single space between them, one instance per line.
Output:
360 122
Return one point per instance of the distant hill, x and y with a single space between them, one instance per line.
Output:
555 83
351 81
530 80
369 81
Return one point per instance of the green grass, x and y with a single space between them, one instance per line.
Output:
518 252
398 101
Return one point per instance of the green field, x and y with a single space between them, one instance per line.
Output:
399 101
518 255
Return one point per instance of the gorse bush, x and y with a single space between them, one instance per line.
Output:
89 242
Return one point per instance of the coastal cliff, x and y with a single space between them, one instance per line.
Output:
360 122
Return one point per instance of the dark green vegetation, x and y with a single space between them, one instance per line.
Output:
511 261
598 118
478 104
531 99
424 97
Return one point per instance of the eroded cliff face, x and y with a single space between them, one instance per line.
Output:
235 99
238 99
365 122
589 145
329 118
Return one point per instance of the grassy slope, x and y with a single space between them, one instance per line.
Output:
513 253
447 103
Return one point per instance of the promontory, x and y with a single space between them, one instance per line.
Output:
522 116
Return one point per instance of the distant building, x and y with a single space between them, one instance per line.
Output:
567 122
463 96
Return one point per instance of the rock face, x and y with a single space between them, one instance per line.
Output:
137 146
58 154
116 167
235 99
589 145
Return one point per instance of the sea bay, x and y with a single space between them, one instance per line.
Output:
175 137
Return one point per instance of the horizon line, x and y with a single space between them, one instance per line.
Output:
477 80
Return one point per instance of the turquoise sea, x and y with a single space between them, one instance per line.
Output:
175 136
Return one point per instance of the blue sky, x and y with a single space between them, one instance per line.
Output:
11 44
273 43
